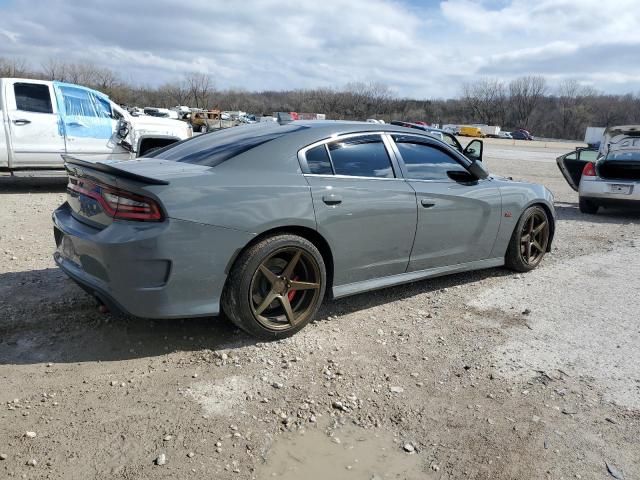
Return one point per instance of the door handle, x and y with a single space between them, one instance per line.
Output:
332 199
426 203
76 124
21 121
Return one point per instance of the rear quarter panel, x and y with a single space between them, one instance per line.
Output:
253 192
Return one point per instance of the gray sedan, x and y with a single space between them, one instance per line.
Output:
261 221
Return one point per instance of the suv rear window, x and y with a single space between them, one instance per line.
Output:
211 149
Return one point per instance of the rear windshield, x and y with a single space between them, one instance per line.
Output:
624 156
211 149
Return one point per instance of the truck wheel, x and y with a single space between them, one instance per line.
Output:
275 287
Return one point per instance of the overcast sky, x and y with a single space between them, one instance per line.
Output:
422 49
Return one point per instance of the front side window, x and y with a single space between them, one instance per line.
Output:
32 97
78 102
425 162
362 156
104 107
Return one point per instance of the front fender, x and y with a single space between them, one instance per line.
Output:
516 198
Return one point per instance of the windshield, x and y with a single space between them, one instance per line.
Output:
212 149
632 156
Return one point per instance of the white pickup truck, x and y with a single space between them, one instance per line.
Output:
40 121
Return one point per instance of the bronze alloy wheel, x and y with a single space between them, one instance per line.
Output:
534 238
285 288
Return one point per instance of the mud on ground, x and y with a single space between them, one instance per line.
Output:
484 375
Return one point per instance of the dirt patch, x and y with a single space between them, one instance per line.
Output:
346 452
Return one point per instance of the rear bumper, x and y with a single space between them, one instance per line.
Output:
172 269
603 192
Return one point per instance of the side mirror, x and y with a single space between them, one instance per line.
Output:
473 151
478 170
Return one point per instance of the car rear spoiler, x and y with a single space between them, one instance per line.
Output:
112 170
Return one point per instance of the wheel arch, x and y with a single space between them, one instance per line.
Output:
305 232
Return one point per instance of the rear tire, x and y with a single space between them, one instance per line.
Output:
260 295
529 241
587 206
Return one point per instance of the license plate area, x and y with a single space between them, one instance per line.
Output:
621 188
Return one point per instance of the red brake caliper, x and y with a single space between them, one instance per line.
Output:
292 293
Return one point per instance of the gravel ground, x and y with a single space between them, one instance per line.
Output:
484 375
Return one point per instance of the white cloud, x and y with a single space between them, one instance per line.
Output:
418 50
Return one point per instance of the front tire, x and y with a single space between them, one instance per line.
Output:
587 206
529 241
275 287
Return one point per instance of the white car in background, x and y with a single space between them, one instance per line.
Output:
503 134
607 177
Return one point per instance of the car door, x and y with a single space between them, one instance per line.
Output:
88 120
458 215
363 207
35 135
571 164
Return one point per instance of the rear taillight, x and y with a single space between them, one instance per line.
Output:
589 170
118 203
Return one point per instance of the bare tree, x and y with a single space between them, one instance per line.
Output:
201 87
12 67
573 102
54 69
175 93
525 94
486 99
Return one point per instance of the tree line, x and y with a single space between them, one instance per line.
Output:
562 111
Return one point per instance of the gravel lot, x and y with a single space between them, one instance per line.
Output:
485 375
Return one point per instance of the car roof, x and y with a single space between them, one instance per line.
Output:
302 133
310 131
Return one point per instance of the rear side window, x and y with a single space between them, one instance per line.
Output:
211 149
318 160
424 162
32 97
364 156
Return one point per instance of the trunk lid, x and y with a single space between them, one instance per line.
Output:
621 136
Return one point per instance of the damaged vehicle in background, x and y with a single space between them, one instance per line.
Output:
41 120
608 177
